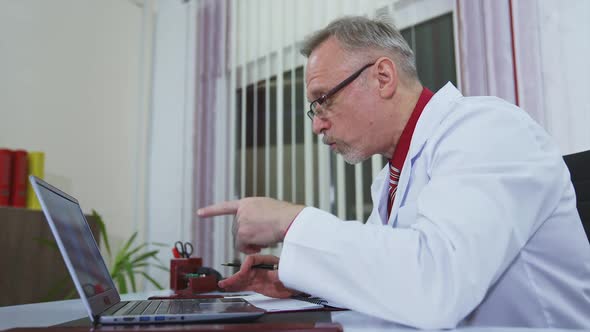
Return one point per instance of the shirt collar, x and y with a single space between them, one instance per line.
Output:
401 150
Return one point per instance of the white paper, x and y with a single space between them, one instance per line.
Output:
271 304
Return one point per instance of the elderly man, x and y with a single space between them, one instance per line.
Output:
474 219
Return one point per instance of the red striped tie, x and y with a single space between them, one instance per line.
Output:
393 180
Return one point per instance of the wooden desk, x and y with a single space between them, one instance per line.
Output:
70 316
56 313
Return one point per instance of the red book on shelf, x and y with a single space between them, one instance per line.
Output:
20 170
5 176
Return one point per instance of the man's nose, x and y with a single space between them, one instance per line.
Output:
319 125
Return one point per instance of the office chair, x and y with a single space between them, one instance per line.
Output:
579 167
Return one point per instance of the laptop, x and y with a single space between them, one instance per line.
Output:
95 285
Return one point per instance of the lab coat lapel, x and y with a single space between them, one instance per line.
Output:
434 112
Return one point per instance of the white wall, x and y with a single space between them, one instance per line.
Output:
565 70
171 142
70 75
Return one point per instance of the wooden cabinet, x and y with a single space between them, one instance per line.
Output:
29 269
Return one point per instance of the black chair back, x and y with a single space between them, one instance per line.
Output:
579 167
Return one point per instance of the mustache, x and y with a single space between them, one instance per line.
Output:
326 139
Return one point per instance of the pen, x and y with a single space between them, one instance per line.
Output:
256 266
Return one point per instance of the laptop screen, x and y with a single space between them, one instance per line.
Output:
78 241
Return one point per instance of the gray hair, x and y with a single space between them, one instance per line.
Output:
361 34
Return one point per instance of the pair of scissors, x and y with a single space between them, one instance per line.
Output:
185 250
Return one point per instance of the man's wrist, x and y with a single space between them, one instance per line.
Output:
296 211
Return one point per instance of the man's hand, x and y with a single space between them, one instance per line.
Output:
259 223
262 281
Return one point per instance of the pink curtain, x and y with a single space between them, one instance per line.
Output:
485 46
499 52
212 16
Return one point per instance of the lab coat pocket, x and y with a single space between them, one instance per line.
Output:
406 215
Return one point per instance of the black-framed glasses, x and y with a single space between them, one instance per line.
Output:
314 106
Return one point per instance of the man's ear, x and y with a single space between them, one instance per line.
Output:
386 77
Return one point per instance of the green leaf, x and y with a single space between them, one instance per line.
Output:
123 252
71 294
122 284
145 256
115 272
154 282
131 277
133 252
47 243
161 267
103 231
159 261
123 256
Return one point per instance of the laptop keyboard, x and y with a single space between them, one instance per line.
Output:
134 308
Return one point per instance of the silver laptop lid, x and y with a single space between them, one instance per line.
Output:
78 248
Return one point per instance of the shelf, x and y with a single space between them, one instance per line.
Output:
30 269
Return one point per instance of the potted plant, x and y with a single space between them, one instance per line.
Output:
130 261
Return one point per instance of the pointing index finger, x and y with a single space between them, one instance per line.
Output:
219 209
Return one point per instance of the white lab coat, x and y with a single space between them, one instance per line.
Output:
484 229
